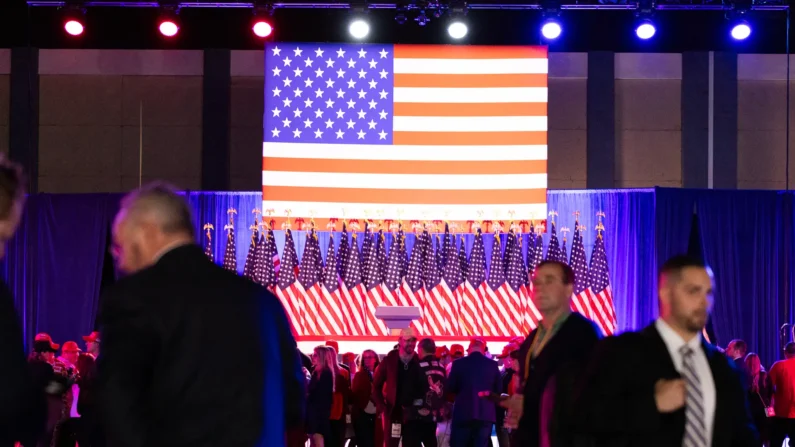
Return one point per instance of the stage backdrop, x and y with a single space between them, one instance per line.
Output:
55 261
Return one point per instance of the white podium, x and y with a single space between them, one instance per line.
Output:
397 318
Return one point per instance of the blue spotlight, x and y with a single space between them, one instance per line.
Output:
741 30
551 29
645 29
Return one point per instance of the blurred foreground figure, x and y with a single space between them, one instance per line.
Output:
155 385
665 386
22 402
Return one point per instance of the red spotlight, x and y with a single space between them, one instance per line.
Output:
262 28
74 27
168 28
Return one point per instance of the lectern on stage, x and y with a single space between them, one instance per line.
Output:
397 318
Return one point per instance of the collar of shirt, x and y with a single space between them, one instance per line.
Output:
674 342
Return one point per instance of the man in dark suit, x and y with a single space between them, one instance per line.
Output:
665 386
473 416
551 360
155 385
736 350
23 408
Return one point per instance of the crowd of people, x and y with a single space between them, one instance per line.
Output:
193 355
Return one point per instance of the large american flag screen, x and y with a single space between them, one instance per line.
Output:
409 131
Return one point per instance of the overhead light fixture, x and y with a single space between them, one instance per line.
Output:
168 23
74 19
261 25
551 27
457 26
359 27
740 28
644 28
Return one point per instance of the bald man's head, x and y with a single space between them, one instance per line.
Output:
150 220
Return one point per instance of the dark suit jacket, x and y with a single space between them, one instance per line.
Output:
23 405
548 392
385 386
194 355
618 407
468 376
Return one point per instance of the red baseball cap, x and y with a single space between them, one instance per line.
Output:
477 340
457 349
333 344
70 346
507 350
92 337
46 337
442 351
348 357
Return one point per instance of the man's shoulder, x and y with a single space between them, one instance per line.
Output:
584 326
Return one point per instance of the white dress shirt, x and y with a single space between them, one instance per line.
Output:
674 343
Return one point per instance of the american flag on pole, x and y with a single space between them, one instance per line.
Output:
393 276
539 247
412 290
553 249
498 301
353 292
435 318
270 255
405 129
452 284
372 287
309 277
599 291
274 253
230 253
331 299
564 255
580 301
287 290
344 250
531 252
208 248
249 268
462 256
388 297
474 290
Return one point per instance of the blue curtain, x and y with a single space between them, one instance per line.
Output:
746 240
53 265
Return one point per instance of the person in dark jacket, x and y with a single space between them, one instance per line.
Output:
320 396
473 416
427 398
551 360
389 386
22 400
154 384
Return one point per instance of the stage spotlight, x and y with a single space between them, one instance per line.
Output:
741 30
262 28
167 24
457 29
359 29
74 21
645 29
74 27
551 29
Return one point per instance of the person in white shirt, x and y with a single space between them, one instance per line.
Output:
661 386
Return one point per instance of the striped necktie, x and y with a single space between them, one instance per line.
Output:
695 428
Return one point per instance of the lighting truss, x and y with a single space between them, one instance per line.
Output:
686 5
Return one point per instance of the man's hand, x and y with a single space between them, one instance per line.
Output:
669 395
514 405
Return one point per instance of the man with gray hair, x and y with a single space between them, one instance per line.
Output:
155 385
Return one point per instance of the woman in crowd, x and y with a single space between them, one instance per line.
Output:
320 395
339 403
758 394
364 413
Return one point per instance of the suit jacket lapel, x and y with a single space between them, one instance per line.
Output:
660 351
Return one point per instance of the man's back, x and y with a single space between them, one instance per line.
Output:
469 376
185 349
782 377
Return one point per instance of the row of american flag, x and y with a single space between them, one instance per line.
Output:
456 293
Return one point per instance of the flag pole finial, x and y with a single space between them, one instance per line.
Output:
576 215
208 227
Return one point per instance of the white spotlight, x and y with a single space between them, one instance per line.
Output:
359 29
457 30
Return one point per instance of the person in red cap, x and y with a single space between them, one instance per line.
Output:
69 353
92 343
